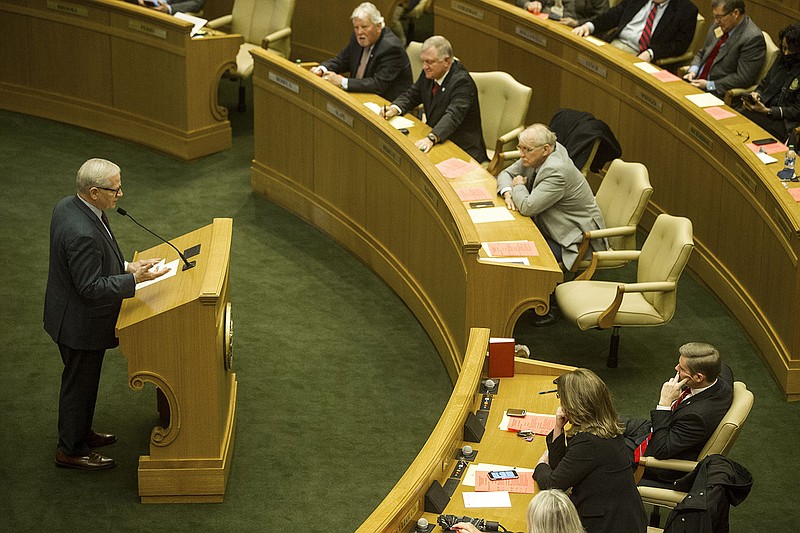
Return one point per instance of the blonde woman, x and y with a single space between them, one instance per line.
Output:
591 457
550 511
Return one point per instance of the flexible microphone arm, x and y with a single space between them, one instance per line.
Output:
186 263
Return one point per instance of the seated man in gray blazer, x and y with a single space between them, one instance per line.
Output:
546 185
174 6
733 53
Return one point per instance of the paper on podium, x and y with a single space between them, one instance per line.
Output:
470 194
704 100
455 167
475 500
197 21
490 214
173 269
474 468
539 424
523 484
647 67
398 122
794 192
510 248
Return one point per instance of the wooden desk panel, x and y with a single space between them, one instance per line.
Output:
746 226
116 68
323 155
437 459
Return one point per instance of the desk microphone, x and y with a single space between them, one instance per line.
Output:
186 263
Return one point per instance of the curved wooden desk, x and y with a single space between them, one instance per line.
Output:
437 459
745 223
116 68
326 157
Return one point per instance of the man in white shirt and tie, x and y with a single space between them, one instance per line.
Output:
650 29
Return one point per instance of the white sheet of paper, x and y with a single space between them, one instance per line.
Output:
513 260
765 158
490 214
476 500
173 269
704 100
197 21
397 122
647 67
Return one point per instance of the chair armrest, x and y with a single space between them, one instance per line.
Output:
219 22
609 255
606 318
600 234
662 497
275 36
735 93
511 135
678 465
609 232
650 286
496 164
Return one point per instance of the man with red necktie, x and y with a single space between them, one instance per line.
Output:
690 407
733 52
650 29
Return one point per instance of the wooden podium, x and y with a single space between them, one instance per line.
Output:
177 334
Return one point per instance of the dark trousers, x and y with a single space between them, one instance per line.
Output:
79 383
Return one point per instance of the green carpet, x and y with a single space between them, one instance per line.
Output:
338 384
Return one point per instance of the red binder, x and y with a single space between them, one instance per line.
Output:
501 358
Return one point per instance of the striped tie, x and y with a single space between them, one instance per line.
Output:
639 451
644 40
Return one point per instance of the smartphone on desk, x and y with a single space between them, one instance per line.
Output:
495 475
761 142
516 412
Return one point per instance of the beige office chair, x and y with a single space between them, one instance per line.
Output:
697 43
262 23
413 50
504 105
731 95
650 301
720 442
622 198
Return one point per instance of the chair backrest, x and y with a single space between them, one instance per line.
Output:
769 57
699 38
728 429
504 104
255 19
413 50
664 256
622 198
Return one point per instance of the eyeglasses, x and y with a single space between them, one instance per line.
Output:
115 191
722 16
527 150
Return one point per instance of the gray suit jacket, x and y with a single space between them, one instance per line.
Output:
86 282
186 6
559 199
739 59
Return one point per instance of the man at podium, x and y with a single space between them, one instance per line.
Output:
87 280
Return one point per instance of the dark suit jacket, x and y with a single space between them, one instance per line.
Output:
600 474
186 6
682 433
580 10
86 281
388 71
672 36
454 113
781 88
739 59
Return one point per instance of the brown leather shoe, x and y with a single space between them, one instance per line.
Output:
92 461
96 440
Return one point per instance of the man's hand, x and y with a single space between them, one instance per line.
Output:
388 112
333 78
319 71
582 30
518 180
163 7
569 21
534 7
758 106
465 527
690 76
671 390
143 270
645 56
424 145
509 201
700 84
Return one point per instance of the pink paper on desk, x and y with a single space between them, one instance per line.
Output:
539 424
454 167
542 15
718 113
471 194
666 76
795 192
512 249
769 148
523 484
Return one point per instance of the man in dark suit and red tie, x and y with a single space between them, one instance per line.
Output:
374 57
733 52
650 29
87 280
450 99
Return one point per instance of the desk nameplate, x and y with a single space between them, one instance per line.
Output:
701 137
588 64
391 153
284 82
467 10
648 99
340 113
530 35
149 29
68 8
746 178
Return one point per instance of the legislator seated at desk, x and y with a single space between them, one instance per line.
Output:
650 29
375 58
733 52
775 104
449 97
173 6
575 12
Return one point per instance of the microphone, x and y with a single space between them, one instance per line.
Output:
186 263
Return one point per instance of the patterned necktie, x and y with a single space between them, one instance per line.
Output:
683 395
362 66
644 40
639 451
435 88
711 57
